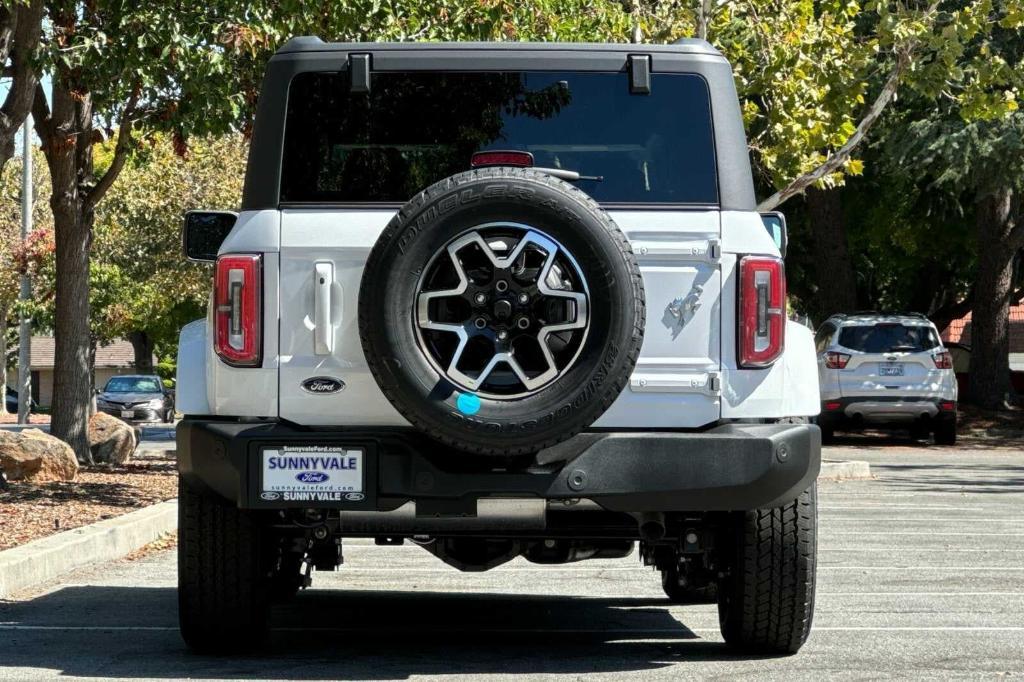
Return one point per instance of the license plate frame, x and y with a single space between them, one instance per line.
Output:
313 474
890 370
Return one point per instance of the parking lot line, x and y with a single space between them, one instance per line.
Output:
906 519
826 507
920 568
625 632
911 532
364 549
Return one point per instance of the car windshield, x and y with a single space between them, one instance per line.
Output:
416 128
133 385
888 338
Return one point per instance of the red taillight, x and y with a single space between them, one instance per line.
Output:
762 323
947 406
833 405
943 360
502 158
236 311
836 360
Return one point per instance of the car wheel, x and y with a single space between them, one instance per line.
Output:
224 569
766 596
945 432
501 311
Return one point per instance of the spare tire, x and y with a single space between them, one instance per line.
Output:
501 311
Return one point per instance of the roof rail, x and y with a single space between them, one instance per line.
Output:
880 313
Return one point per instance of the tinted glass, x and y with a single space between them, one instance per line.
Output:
888 338
133 385
414 129
205 231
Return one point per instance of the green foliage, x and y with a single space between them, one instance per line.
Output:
970 140
141 281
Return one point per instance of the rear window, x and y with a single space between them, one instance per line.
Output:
132 385
888 338
415 128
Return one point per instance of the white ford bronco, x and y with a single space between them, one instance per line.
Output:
500 301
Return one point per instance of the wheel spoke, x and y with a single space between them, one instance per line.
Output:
501 315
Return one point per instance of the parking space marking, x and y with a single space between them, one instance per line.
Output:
827 507
630 633
922 519
910 532
884 548
919 594
920 568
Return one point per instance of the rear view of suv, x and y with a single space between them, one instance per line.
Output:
510 303
885 370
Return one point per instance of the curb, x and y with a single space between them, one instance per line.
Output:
47 558
844 470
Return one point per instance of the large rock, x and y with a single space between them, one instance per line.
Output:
111 440
32 455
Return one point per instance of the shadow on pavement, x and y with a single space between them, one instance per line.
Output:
355 635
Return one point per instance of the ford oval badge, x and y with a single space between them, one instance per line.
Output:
311 477
322 385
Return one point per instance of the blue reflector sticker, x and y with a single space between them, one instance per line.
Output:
468 403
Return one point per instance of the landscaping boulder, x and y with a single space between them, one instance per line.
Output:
32 455
111 440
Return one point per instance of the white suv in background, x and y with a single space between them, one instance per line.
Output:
885 370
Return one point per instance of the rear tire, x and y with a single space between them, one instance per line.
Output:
766 599
945 432
223 574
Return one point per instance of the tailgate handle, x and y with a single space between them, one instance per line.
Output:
323 331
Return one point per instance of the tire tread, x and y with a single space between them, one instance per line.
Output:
767 604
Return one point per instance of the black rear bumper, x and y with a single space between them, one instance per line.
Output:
731 467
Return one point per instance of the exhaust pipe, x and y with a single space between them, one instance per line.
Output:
652 526
512 514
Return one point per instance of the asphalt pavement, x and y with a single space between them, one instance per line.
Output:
921 574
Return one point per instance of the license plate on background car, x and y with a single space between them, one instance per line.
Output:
891 370
311 473
127 414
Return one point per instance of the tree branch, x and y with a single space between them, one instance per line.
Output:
945 314
25 34
1015 240
836 161
124 143
41 116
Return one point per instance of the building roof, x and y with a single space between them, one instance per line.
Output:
116 354
959 331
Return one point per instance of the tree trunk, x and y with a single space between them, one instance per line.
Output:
3 356
836 280
143 347
704 12
990 318
70 161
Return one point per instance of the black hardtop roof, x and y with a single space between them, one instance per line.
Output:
693 46
310 54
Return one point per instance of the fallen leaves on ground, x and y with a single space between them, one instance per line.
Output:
29 511
10 418
162 543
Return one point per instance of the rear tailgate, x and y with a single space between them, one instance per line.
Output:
676 381
903 374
